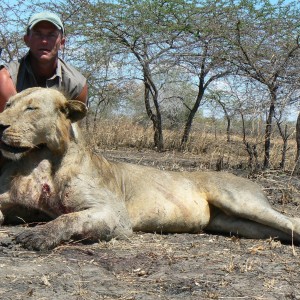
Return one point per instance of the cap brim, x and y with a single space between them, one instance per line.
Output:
38 21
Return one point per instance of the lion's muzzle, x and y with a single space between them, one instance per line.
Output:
8 146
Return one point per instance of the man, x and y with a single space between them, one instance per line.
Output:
41 66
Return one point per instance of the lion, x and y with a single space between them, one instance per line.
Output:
81 195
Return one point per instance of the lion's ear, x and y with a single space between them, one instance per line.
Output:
76 110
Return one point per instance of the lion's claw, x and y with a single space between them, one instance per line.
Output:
35 239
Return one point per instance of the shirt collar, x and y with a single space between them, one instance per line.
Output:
58 72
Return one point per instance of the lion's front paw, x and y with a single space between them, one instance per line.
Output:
36 239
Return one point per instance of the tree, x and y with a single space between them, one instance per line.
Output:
265 43
143 31
204 54
225 101
12 29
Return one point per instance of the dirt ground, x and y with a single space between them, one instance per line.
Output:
154 266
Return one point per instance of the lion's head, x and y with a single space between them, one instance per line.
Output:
35 117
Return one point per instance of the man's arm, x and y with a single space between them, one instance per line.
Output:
7 88
83 96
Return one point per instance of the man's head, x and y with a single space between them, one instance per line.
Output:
45 16
44 36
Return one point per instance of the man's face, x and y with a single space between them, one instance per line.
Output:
44 41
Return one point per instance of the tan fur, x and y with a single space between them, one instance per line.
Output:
92 198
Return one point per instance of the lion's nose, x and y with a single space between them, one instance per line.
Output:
2 128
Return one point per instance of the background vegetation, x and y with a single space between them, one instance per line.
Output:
198 76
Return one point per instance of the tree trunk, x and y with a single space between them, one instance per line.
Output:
283 155
268 131
228 129
298 137
285 137
296 170
190 119
251 149
155 118
187 130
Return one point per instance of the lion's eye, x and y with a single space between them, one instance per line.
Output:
29 108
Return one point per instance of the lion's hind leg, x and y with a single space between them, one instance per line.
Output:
231 225
244 200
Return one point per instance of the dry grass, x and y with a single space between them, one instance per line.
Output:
211 146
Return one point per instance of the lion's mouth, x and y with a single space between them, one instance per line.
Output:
13 149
